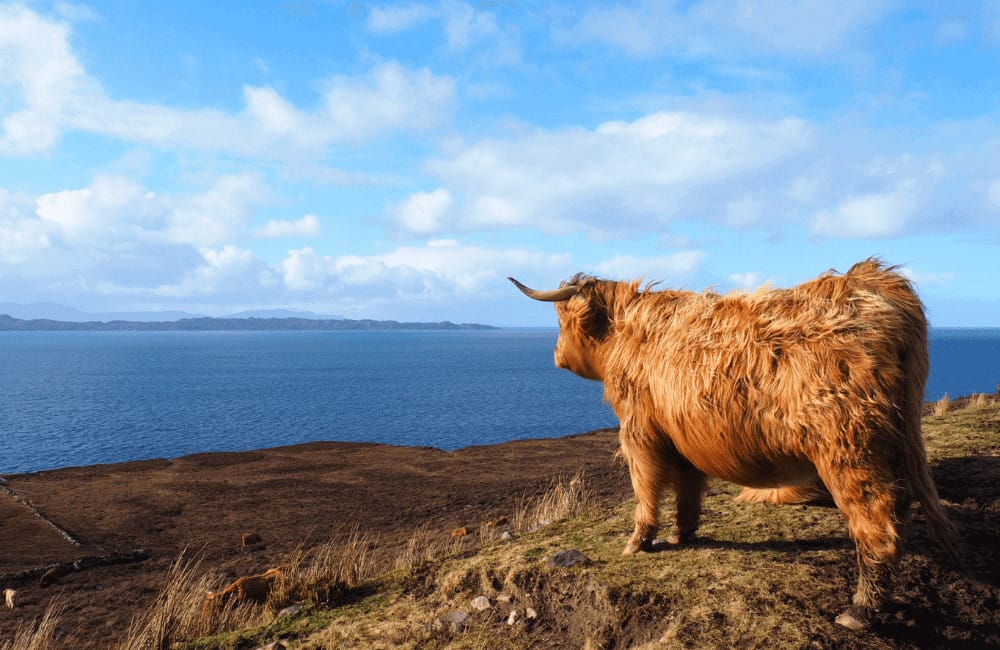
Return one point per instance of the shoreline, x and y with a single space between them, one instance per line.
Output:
292 496
956 402
161 459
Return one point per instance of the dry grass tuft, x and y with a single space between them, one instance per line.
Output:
941 406
42 637
324 574
978 401
561 501
425 546
179 610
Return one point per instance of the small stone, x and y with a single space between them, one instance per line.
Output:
568 558
512 618
273 645
505 598
49 577
251 539
506 535
290 611
530 613
453 621
481 603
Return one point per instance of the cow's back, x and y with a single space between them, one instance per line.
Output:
749 382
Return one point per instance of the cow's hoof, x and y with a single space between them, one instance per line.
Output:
677 537
645 544
854 618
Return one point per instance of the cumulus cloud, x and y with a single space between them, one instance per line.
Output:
748 280
925 278
443 267
55 93
875 215
307 226
993 193
620 177
465 26
424 212
35 59
724 27
226 269
93 210
398 18
22 236
665 268
219 214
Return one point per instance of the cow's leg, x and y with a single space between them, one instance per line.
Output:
869 501
689 485
648 472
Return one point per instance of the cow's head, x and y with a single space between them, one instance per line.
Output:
585 323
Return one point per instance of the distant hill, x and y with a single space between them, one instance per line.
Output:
204 324
57 312
281 313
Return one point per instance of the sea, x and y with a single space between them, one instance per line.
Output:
84 398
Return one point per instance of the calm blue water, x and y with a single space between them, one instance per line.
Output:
80 398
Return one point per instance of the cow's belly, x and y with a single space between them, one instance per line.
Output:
755 470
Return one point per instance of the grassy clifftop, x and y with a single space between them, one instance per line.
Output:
759 576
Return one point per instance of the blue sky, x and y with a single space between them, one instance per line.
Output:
399 160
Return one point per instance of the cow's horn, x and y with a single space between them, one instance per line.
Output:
562 293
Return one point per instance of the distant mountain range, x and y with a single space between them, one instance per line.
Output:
56 312
204 324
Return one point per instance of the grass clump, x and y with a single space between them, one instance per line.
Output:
43 636
941 406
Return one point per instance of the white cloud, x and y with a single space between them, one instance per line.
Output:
36 61
874 215
92 211
619 177
664 268
228 268
725 27
22 237
424 212
54 94
304 270
464 25
398 18
307 226
748 280
993 193
390 98
219 214
789 26
925 278
435 270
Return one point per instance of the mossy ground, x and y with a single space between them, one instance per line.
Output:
758 576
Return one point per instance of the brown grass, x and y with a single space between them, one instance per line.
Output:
324 574
40 637
179 610
561 501
941 406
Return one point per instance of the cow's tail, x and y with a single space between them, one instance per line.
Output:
943 531
916 364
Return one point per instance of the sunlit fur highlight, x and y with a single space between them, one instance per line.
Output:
785 391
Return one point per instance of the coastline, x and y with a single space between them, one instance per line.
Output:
292 496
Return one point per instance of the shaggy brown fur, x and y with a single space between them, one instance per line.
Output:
779 390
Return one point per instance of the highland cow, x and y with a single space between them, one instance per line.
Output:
784 391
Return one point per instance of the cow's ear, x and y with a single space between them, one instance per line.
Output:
596 321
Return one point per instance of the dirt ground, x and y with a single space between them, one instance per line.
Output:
290 496
307 494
